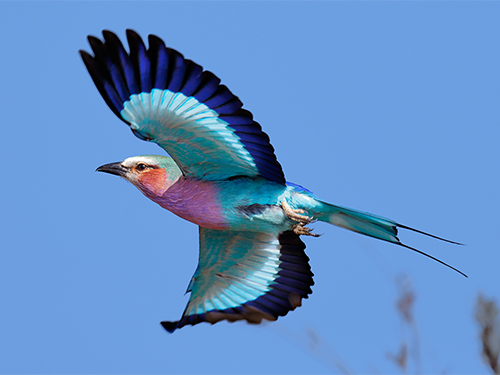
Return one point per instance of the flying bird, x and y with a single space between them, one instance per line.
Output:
222 175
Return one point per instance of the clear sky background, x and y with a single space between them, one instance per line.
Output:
387 107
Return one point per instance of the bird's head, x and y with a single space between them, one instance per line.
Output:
151 174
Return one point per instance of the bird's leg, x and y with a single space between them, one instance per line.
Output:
303 220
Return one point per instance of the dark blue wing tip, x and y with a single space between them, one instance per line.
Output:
170 326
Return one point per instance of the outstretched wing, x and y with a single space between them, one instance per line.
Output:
173 102
246 275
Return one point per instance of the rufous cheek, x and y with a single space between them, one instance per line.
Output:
154 181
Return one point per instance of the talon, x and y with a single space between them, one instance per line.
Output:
299 228
302 230
294 214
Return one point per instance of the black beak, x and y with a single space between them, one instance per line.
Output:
113 168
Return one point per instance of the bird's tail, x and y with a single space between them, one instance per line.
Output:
358 221
370 225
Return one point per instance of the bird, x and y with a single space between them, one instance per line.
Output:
222 174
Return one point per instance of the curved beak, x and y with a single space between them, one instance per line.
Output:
113 168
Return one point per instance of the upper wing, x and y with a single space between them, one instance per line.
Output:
246 275
171 101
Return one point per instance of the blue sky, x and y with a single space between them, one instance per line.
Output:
387 107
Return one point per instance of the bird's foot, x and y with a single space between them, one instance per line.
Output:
302 230
300 216
294 214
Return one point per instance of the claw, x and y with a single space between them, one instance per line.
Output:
294 214
302 230
303 220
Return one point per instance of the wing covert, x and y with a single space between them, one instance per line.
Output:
246 275
172 101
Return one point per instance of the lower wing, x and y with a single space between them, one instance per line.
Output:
246 276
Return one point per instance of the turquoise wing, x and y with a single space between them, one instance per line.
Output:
246 276
172 101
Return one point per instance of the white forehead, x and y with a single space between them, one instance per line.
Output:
134 160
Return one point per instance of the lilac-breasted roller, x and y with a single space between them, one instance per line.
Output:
223 175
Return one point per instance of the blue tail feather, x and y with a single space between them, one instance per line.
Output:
358 221
373 226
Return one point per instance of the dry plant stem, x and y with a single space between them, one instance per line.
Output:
487 317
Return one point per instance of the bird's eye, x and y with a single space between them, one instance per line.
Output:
141 167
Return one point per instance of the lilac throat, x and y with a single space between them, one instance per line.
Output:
194 200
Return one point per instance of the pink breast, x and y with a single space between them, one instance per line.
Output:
196 201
